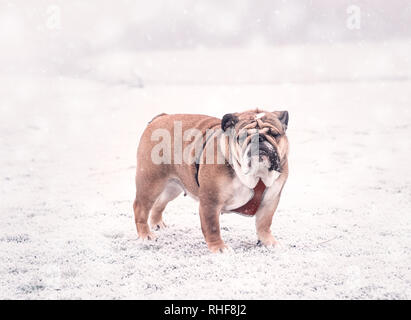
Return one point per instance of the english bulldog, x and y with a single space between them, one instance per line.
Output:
237 164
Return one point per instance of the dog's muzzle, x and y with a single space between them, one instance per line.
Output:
263 149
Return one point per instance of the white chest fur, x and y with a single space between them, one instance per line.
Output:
240 195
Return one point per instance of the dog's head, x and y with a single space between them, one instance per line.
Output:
258 144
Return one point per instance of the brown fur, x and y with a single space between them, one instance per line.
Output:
154 191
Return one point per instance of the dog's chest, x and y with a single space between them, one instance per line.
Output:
239 195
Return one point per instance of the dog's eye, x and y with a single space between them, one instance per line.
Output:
275 134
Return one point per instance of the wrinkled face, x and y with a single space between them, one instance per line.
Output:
258 144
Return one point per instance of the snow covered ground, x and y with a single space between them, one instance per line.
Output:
67 165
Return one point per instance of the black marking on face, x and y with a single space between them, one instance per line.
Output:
266 149
263 148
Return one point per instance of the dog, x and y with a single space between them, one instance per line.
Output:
237 164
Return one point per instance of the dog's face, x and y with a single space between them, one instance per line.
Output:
258 144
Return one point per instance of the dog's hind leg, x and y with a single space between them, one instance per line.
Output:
141 212
170 192
144 201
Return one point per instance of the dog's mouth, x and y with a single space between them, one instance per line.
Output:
265 153
272 156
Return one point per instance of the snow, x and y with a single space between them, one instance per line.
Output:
69 131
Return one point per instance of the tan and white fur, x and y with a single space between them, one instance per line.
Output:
219 187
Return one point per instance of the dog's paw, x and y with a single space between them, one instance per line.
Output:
147 237
268 241
220 247
160 225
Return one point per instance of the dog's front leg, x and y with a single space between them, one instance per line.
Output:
264 215
263 220
210 225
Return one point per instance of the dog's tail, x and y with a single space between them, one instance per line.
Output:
157 116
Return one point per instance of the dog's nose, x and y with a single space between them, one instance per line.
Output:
261 138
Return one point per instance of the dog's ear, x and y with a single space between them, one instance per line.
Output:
283 117
229 121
